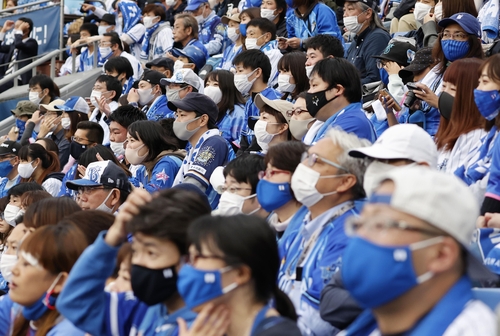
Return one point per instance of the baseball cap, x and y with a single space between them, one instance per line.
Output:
24 107
193 53
423 59
441 200
400 52
369 3
403 141
153 77
102 173
52 106
109 18
164 62
233 17
194 4
74 103
198 103
279 105
10 147
183 76
468 23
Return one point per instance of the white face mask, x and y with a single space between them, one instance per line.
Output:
199 19
284 84
251 43
117 148
170 3
103 206
95 96
214 93
231 204
25 170
18 32
66 123
181 131
6 265
243 84
373 173
352 25
178 65
105 51
421 10
103 29
304 181
145 96
438 12
232 35
309 69
261 135
268 14
10 214
173 94
132 155
148 21
299 128
34 97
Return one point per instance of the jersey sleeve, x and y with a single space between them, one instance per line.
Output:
211 155
163 174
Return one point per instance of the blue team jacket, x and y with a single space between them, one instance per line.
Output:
162 176
69 176
84 302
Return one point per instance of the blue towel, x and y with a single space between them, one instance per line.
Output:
488 16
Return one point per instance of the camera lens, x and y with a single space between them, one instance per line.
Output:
410 99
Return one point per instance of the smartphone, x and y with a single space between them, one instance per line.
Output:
387 94
281 39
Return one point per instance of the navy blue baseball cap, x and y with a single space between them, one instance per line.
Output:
469 23
198 103
193 53
102 173
194 4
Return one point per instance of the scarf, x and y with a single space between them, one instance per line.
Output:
146 40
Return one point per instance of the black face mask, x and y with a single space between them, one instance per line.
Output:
153 286
445 104
76 149
316 101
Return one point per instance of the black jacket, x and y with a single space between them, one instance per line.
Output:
26 50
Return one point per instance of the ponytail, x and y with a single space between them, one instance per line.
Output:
50 164
284 305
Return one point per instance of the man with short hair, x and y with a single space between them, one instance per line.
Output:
320 47
327 183
9 161
181 83
208 23
119 121
196 117
416 271
185 33
88 134
111 46
121 69
164 65
85 60
150 96
104 97
104 187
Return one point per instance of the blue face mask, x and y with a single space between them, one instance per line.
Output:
21 125
273 196
198 286
5 168
243 29
384 76
454 50
386 271
488 103
45 303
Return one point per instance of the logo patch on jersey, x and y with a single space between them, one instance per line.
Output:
205 156
162 176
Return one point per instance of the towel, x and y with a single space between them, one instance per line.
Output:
488 17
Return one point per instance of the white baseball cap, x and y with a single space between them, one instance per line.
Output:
440 199
183 76
403 141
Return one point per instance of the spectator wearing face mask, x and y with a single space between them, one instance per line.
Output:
158 37
361 19
301 121
239 192
120 68
231 118
182 82
191 56
422 221
132 30
237 40
292 78
208 23
196 118
88 34
74 110
13 211
275 11
111 46
327 183
107 24
150 96
119 122
186 32
23 112
320 47
104 187
412 20
149 145
9 256
42 90
174 7
9 161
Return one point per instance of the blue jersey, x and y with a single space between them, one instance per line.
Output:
69 176
84 302
351 119
211 39
493 188
231 125
3 185
230 53
162 176
158 109
321 20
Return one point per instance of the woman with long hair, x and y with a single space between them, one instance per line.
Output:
45 260
231 104
461 124
40 166
292 78
241 256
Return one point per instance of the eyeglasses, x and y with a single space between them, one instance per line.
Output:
79 140
88 190
233 190
271 172
313 158
381 225
296 111
380 64
455 36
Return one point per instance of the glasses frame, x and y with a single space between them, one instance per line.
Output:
313 158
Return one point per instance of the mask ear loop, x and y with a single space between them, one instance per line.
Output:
46 301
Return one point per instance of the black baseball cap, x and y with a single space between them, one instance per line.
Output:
198 103
102 173
10 147
423 59
164 62
400 52
109 18
153 77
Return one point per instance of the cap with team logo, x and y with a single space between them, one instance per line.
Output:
469 23
74 103
102 173
10 147
183 76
